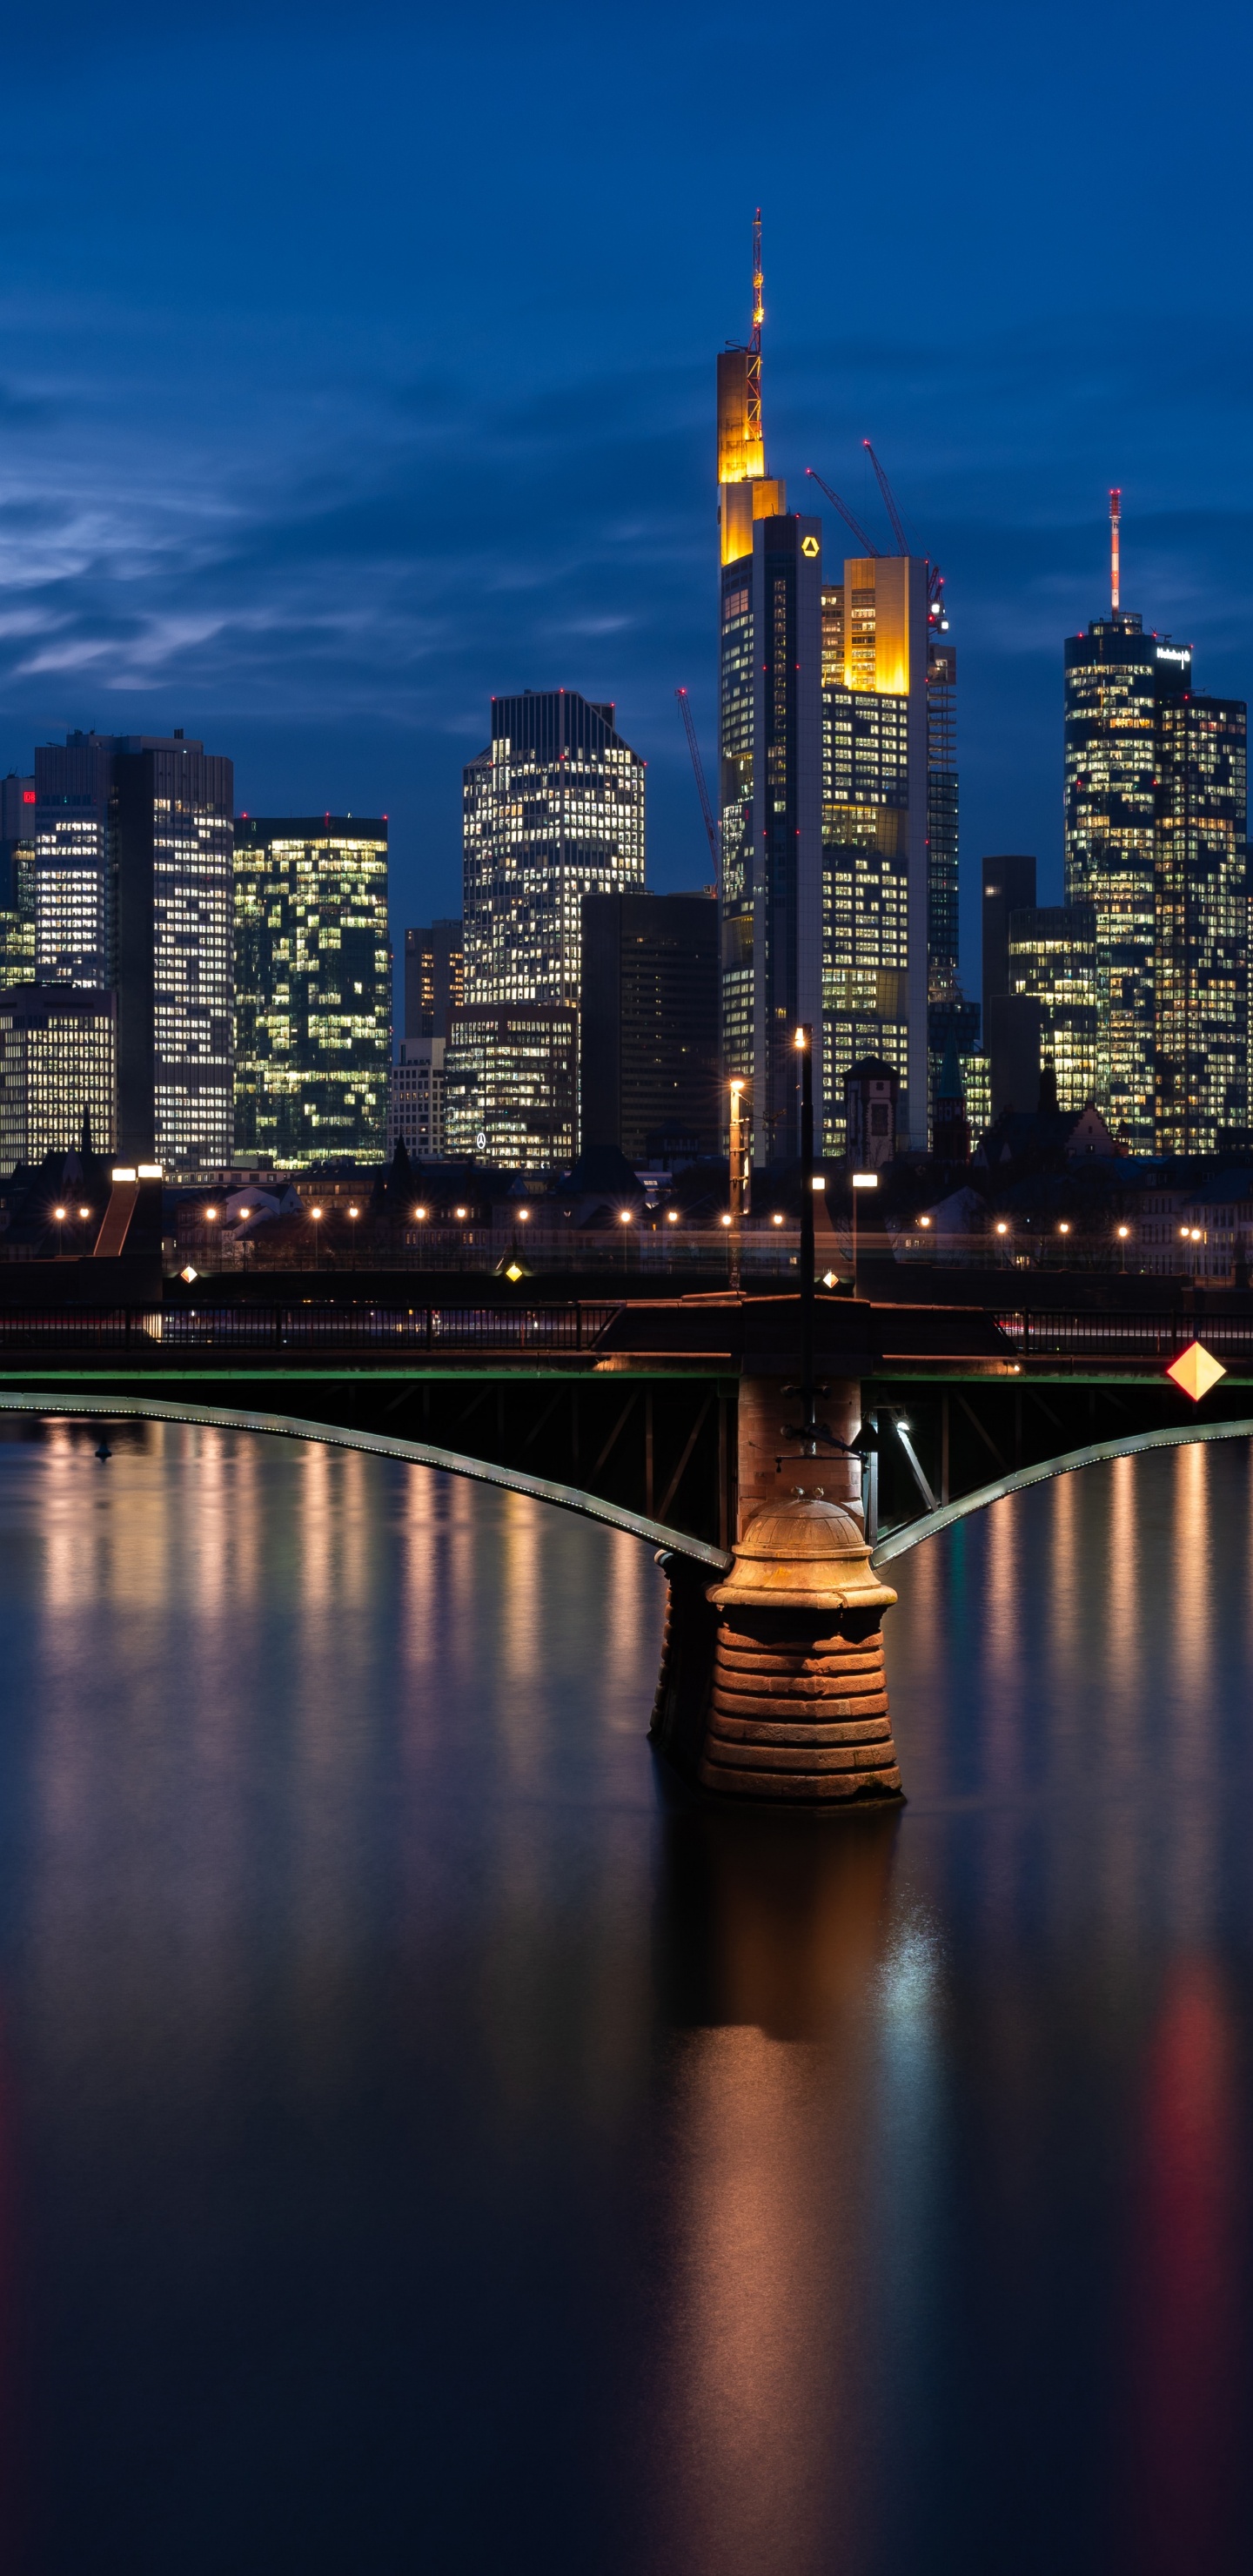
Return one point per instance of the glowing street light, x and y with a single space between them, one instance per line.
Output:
419 1213
672 1216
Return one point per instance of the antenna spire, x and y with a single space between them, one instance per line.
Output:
1115 524
753 403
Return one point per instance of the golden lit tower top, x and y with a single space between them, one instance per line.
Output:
741 440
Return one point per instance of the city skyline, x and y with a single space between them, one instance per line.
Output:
317 472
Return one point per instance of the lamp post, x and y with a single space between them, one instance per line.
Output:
353 1214
316 1217
736 1177
59 1214
804 1043
862 1181
1123 1232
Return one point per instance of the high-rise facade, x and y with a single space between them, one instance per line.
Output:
172 813
17 881
58 1072
434 977
770 758
876 810
1156 824
416 1100
553 810
1051 959
312 1036
512 1086
648 1037
132 893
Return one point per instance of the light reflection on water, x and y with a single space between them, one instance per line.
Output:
426 2138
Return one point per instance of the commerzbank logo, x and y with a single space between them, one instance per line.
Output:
809 545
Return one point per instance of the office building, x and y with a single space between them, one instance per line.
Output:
171 810
511 1086
553 810
434 978
1015 1035
17 881
1051 956
58 1071
1156 845
875 847
132 890
416 1100
75 889
942 804
1008 887
648 1033
770 758
312 987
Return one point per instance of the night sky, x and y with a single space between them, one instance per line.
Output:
358 364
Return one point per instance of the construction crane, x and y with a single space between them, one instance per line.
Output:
711 828
845 513
902 542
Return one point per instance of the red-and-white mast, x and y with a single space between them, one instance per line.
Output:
1115 523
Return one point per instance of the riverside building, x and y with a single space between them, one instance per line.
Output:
312 987
1156 797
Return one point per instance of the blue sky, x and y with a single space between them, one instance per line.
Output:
359 363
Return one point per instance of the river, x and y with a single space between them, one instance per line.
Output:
427 2142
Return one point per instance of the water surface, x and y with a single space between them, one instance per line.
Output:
428 2142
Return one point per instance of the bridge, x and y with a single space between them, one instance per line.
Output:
640 1408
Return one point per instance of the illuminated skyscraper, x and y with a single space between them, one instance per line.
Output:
1051 955
553 810
133 893
313 1019
875 842
770 745
17 881
1156 844
58 1073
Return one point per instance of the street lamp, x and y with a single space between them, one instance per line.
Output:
419 1213
316 1217
1123 1232
672 1216
737 1178
60 1214
862 1181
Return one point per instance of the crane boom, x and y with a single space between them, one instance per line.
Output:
711 828
902 541
844 511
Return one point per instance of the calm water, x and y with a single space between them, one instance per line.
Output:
426 2146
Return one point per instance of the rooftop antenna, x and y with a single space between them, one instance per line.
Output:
754 338
1115 524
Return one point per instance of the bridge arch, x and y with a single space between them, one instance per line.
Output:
413 1453
899 1541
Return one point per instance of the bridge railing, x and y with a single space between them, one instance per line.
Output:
573 1327
1051 1335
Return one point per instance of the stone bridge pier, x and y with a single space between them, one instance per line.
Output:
772 1686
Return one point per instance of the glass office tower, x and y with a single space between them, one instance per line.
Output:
553 810
1156 844
313 1020
876 810
1051 958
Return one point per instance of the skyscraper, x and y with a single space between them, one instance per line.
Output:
312 987
553 810
17 880
770 757
511 1085
1052 961
875 835
648 1039
1156 844
434 978
57 1071
132 893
